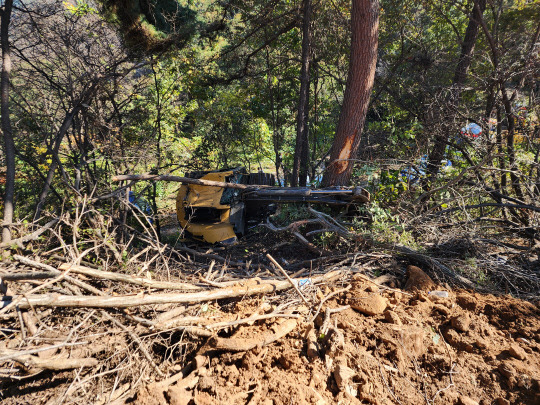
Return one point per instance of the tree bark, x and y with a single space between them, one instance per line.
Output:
362 64
7 132
301 152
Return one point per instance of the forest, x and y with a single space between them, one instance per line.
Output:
380 225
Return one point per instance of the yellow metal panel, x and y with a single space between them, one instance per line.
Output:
212 233
204 196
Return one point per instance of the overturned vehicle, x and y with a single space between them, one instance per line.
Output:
219 206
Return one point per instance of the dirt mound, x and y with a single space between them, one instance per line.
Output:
415 348
349 339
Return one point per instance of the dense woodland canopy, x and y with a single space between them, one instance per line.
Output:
93 89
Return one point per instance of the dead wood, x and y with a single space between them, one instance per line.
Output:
309 245
295 286
186 180
125 278
57 273
27 275
293 228
31 236
251 287
244 344
312 346
55 363
30 322
180 322
204 323
328 224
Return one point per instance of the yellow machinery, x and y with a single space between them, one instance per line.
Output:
201 212
220 213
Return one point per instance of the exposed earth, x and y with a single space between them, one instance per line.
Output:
361 340
407 347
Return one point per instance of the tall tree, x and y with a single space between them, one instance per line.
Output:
362 65
460 76
7 132
301 152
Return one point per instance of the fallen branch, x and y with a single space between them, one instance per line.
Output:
125 278
31 236
293 227
295 286
56 273
252 287
8 354
54 363
27 275
186 180
250 319
501 205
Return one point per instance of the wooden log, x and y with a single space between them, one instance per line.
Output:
252 287
186 180
28 275
55 364
126 278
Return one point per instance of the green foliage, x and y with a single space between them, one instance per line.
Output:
227 95
80 8
230 133
289 213
384 227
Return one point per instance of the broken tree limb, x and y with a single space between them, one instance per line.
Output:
186 180
27 275
295 286
55 364
125 278
293 228
244 344
56 273
28 359
8 354
203 323
252 287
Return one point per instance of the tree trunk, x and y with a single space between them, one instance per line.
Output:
511 119
9 145
301 153
66 125
362 64
460 76
68 120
